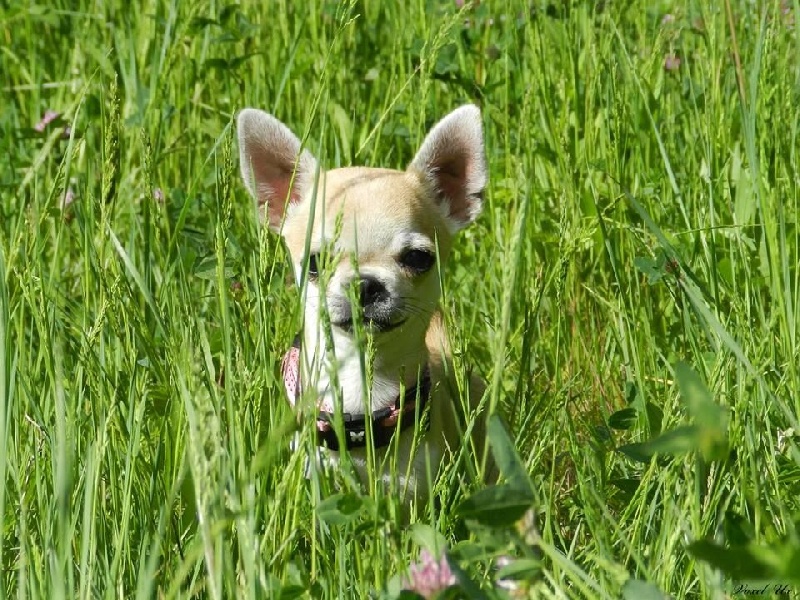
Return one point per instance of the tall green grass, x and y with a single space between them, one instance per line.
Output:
630 293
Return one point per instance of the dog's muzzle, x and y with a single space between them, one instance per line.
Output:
379 311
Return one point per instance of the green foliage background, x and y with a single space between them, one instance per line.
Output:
631 284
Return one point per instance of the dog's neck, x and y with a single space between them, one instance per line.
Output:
398 360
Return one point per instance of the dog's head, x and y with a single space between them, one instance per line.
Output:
368 240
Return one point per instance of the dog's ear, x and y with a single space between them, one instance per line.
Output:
275 170
452 160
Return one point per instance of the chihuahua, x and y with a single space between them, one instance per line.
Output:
367 246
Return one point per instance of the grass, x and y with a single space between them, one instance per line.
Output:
631 289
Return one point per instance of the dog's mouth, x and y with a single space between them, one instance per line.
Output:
374 325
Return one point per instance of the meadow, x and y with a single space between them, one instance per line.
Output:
630 294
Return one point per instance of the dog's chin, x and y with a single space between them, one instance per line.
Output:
370 325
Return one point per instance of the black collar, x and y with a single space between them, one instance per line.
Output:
407 410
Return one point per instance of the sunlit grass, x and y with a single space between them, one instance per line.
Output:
641 214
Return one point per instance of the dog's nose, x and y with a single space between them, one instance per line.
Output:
371 291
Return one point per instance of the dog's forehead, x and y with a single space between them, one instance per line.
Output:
378 209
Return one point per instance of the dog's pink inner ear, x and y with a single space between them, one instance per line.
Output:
274 168
452 159
451 181
274 189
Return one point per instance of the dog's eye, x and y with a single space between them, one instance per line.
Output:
418 261
313 266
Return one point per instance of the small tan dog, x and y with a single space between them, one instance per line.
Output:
365 244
